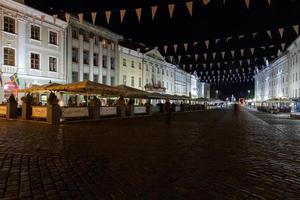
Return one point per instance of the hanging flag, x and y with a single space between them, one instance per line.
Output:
223 54
270 34
189 6
205 2
281 32
139 13
107 15
247 2
232 53
94 15
175 47
296 28
214 55
1 82
207 43
67 16
14 78
80 16
185 46
54 19
166 49
153 11
242 52
171 9
122 14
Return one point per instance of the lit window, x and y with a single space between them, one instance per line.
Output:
9 56
35 32
74 77
52 64
124 79
104 79
9 25
86 76
96 59
35 61
75 55
96 78
52 37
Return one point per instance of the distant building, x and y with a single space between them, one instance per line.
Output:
32 48
92 53
130 70
181 83
158 74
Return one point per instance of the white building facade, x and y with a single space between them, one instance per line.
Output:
92 53
32 48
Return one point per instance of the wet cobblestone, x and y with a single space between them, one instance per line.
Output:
214 154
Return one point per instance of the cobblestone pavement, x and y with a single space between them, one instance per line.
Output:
217 154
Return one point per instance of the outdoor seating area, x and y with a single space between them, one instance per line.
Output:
87 100
275 106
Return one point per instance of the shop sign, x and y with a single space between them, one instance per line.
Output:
74 112
140 110
3 110
106 110
39 112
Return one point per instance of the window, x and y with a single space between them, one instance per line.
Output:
9 56
124 79
52 64
104 79
86 76
9 25
132 64
112 80
86 36
96 56
74 76
124 62
85 57
75 55
140 65
35 32
132 81
52 37
140 82
96 40
75 33
158 70
96 78
35 61
112 63
104 62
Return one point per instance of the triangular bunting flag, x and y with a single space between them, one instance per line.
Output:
196 57
122 14
205 56
207 43
241 36
195 43
175 47
296 28
281 32
282 46
217 40
242 52
248 60
138 13
185 46
205 2
228 38
214 55
171 9
241 62
252 50
254 34
153 11
179 58
247 2
270 34
67 16
107 15
189 6
269 2
94 15
223 54
166 49
232 53
80 16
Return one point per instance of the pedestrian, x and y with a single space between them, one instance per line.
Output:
168 111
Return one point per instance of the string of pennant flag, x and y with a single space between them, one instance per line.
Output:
154 8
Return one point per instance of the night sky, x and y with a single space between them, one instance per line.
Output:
226 22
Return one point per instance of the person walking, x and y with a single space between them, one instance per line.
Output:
168 111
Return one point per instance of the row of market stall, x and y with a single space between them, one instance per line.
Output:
90 100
